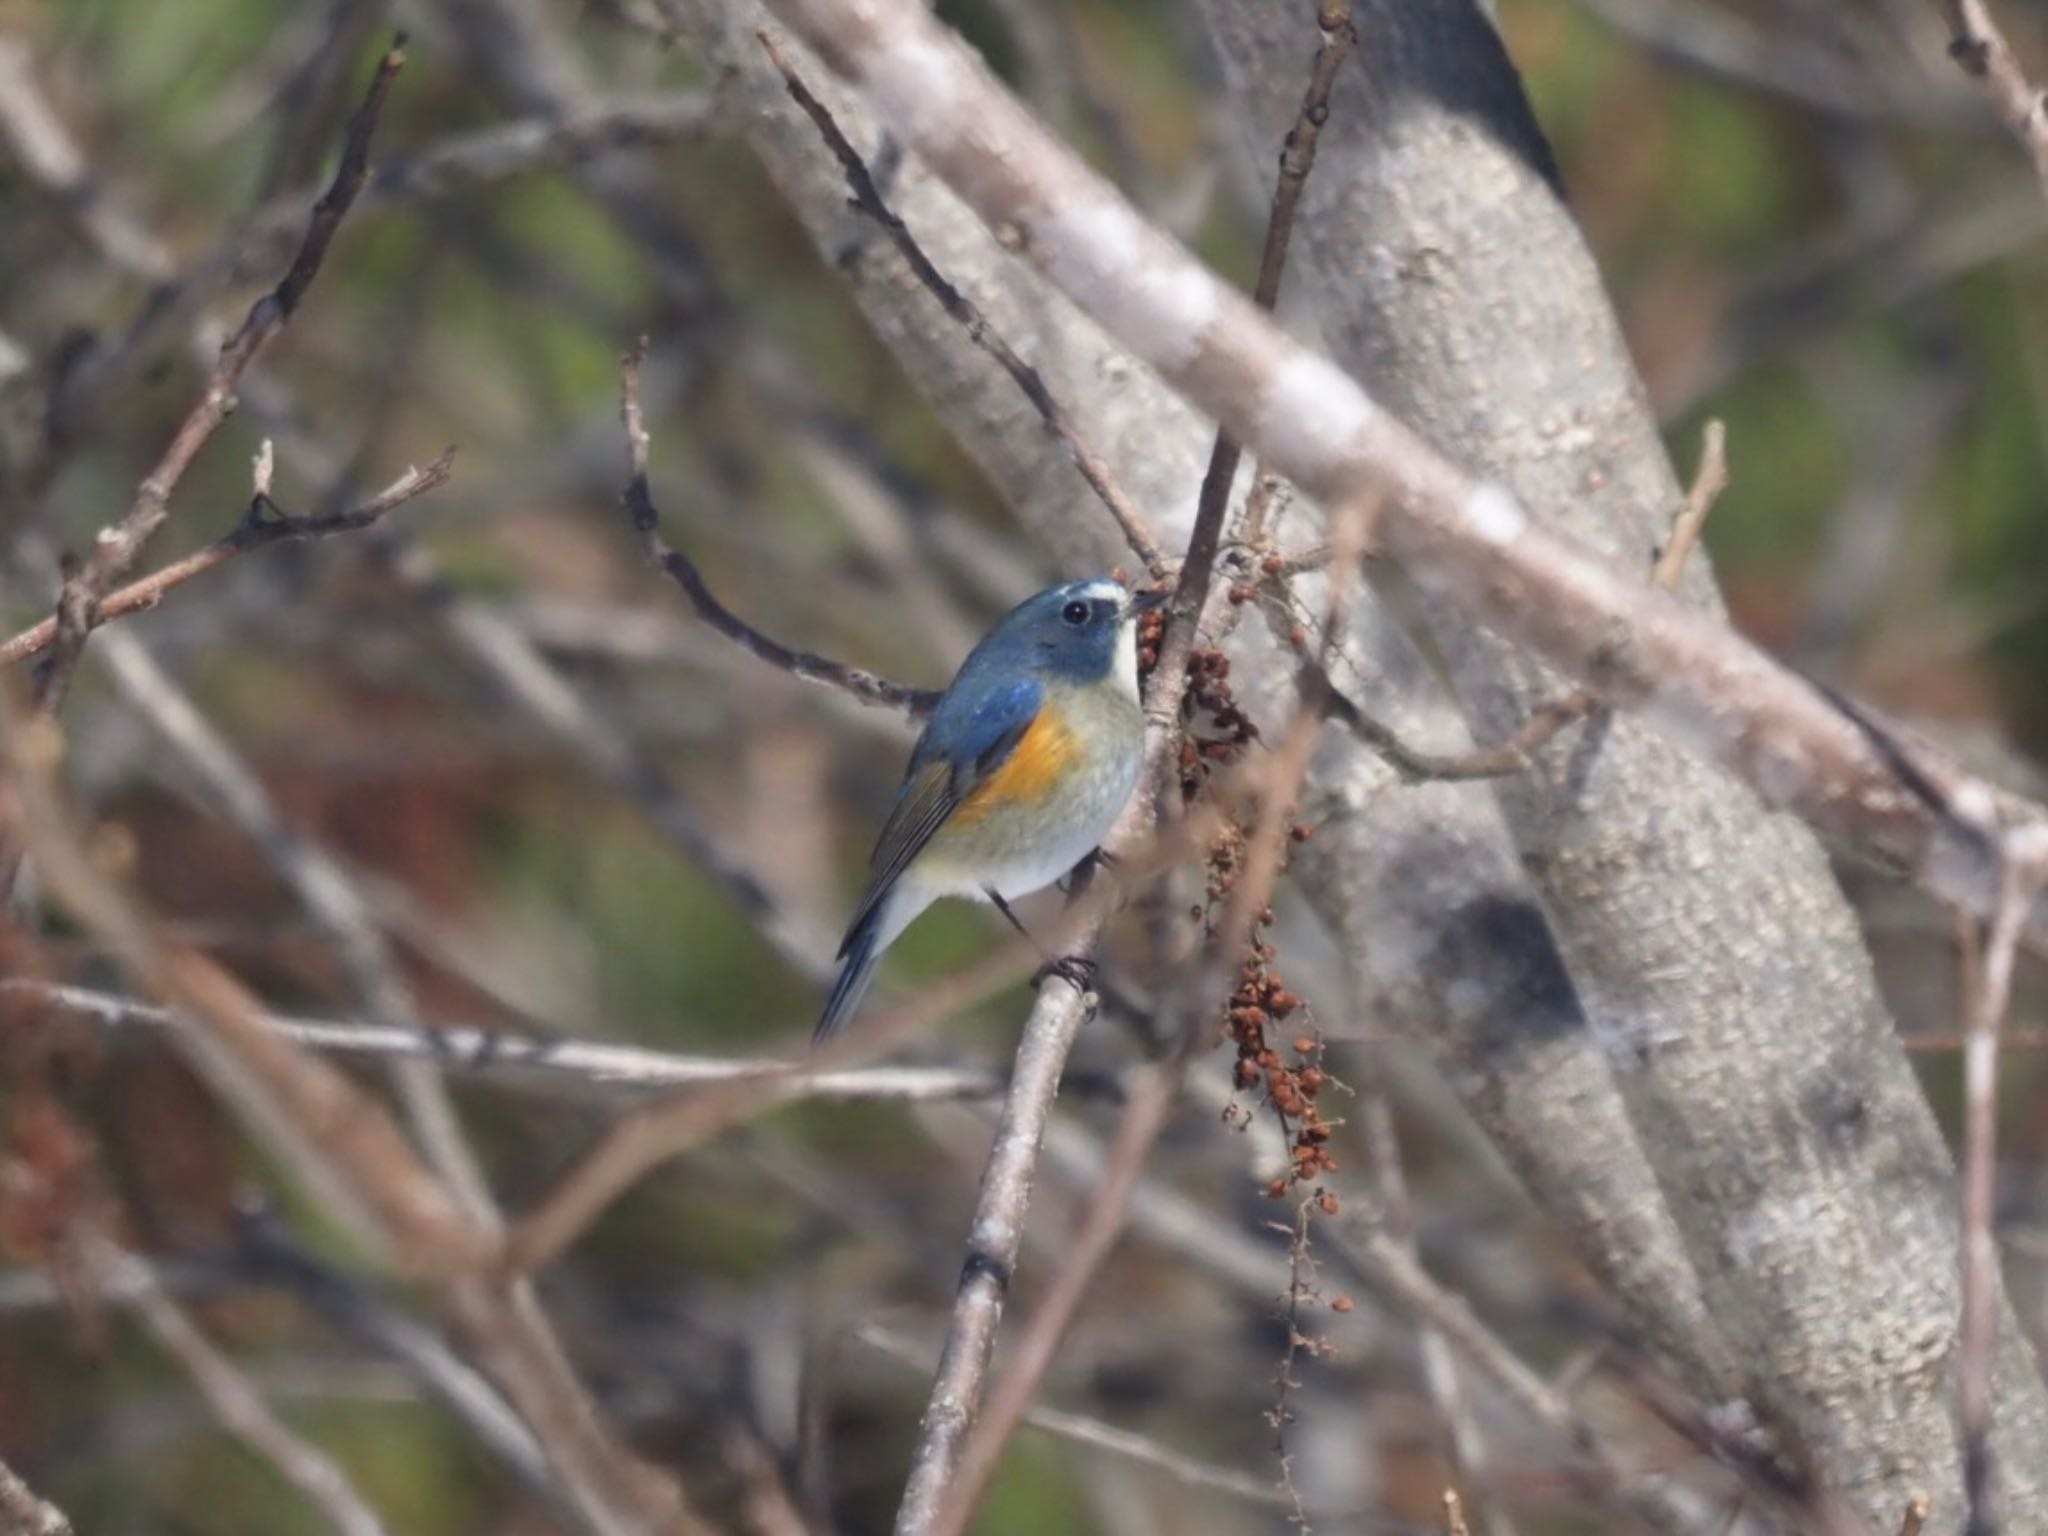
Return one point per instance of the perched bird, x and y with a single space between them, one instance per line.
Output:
1024 766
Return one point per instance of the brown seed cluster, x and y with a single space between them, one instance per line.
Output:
1293 1079
1216 734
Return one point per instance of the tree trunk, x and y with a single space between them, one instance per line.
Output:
1719 964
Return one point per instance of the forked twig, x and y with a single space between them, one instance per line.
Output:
1546 720
116 546
262 526
808 665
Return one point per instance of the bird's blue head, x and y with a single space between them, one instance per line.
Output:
1078 632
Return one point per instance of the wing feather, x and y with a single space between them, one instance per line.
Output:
961 747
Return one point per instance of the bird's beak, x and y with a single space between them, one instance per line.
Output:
1143 603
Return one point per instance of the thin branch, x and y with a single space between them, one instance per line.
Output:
1988 989
1546 721
1918 1508
232 1397
1980 49
261 526
1297 159
116 546
994 1241
867 197
1114 1440
996 1235
23 1513
587 1065
639 502
1151 1103
642 1140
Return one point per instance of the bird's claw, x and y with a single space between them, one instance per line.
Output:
1077 971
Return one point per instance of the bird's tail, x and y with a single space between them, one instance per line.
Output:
859 954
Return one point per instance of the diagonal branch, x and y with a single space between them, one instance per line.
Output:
1979 47
867 197
260 528
808 665
229 1393
1544 722
23 1513
116 546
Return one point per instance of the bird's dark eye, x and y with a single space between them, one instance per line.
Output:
1075 613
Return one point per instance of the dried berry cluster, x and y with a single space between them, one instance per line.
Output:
1293 1083
1216 735
1216 731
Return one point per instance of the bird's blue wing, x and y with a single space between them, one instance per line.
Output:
969 736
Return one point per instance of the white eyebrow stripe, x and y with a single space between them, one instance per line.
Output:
1100 589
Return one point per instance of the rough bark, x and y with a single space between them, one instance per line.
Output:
1444 942
1718 961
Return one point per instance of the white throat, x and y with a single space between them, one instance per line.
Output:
1125 666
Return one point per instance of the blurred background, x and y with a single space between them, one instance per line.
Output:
1811 229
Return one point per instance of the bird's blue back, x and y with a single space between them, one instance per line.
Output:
1001 685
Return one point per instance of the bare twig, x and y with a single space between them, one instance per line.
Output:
1297 159
1917 1510
1454 1515
1546 721
1980 48
232 1397
584 1065
23 1513
639 500
867 197
1111 1439
262 526
1988 988
642 1140
993 1243
116 546
1301 1266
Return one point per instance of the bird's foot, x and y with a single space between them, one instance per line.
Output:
1076 879
1077 971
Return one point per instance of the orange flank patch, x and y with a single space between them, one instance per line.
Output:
1034 767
